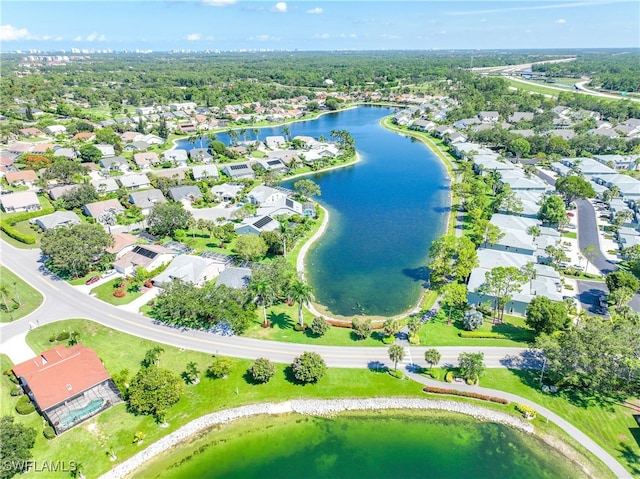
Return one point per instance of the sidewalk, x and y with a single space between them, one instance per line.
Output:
17 349
135 305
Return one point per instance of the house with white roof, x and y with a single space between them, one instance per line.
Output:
147 257
226 191
21 201
146 199
275 142
56 219
178 157
265 194
115 163
196 270
135 181
256 225
271 164
238 171
236 278
203 172
105 185
106 150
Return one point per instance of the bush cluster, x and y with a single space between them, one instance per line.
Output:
8 222
448 377
24 406
16 391
396 373
49 432
61 336
481 335
467 394
12 377
527 411
120 293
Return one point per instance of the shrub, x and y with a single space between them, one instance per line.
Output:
12 377
309 367
414 339
24 406
16 391
396 373
472 320
448 377
262 370
388 339
470 381
49 432
319 326
63 336
221 367
527 411
148 284
300 327
362 329
119 293
52 338
434 374
467 394
481 335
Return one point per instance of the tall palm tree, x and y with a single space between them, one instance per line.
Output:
4 292
264 292
286 132
256 132
300 292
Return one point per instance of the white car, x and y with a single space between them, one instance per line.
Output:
108 273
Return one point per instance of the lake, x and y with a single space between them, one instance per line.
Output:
384 214
368 445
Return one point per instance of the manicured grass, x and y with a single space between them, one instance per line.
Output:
570 234
16 291
105 293
610 424
283 319
114 429
436 332
535 88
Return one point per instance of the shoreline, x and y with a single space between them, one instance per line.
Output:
313 407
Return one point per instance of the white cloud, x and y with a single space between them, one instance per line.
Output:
59 39
322 36
9 32
560 21
264 38
389 37
194 36
549 6
46 38
315 11
280 7
92 37
218 3
77 39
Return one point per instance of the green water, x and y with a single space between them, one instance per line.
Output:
364 445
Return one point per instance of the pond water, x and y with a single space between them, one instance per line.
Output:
384 213
366 445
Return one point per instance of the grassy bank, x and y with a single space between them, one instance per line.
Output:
16 294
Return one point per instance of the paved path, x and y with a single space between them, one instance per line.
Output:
62 301
574 432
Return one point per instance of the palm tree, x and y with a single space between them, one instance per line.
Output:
256 132
286 132
300 292
283 229
432 357
264 293
396 354
243 132
4 291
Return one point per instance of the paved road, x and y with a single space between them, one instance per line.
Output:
62 301
588 235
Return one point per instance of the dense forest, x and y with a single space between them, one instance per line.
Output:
231 78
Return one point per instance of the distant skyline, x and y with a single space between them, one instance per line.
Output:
163 25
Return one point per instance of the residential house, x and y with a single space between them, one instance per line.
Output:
226 191
145 160
177 157
178 174
443 130
276 165
201 155
105 185
122 244
489 116
21 178
18 149
203 172
56 129
238 171
152 139
115 163
84 136
619 162
265 194
57 192
275 142
68 153
236 278
523 133
135 181
256 225
519 116
137 146
30 132
106 150
196 270
147 257
104 211
422 125
281 206
147 199
186 193
68 385
21 201
55 220
567 134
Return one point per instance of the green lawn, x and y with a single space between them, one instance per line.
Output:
570 234
114 429
535 88
105 293
612 425
436 332
16 291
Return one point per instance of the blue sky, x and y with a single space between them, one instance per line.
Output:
162 25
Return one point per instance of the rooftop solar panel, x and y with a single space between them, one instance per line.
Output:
238 167
262 222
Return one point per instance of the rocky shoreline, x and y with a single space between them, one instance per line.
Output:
311 407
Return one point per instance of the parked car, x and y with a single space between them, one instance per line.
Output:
93 279
570 214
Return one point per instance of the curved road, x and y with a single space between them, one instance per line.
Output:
62 301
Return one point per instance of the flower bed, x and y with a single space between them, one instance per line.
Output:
467 394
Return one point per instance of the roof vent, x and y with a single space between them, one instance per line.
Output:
69 387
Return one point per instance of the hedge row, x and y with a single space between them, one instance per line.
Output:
8 222
481 335
467 394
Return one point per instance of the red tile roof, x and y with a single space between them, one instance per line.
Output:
60 373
